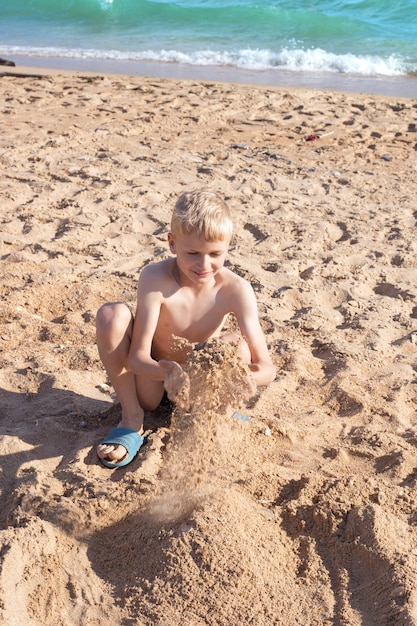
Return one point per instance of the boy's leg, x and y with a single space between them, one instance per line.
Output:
243 348
114 325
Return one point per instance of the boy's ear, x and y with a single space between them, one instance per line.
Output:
171 243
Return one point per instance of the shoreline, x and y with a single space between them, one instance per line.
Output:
393 86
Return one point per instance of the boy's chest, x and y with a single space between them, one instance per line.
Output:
195 318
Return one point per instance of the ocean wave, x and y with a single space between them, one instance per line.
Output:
297 60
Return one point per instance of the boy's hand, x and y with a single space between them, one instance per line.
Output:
176 383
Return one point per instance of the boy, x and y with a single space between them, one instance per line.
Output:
188 296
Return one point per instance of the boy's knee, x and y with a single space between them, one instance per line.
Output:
231 337
242 346
111 314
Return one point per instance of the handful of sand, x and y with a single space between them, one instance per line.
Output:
219 380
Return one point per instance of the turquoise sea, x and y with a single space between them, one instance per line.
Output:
362 38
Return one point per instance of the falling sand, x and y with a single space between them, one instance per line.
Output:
219 384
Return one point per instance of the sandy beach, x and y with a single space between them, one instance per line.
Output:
305 513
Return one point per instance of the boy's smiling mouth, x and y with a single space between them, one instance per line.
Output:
203 274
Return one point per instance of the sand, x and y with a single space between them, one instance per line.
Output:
305 512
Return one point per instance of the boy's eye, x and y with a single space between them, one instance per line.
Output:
211 254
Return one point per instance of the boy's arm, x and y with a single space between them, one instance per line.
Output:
148 307
246 310
140 361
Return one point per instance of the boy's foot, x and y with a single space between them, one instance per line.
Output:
120 447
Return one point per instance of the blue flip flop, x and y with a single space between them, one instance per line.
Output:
129 439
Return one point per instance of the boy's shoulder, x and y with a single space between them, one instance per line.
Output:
235 282
234 276
159 267
157 271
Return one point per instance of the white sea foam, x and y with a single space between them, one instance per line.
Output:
297 60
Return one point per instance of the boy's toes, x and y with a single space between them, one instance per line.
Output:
111 452
120 447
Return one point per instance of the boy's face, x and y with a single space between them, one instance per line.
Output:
198 260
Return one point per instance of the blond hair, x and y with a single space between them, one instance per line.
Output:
204 213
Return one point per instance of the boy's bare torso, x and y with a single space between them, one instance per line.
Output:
195 313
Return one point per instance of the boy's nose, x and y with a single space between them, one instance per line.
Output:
204 261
